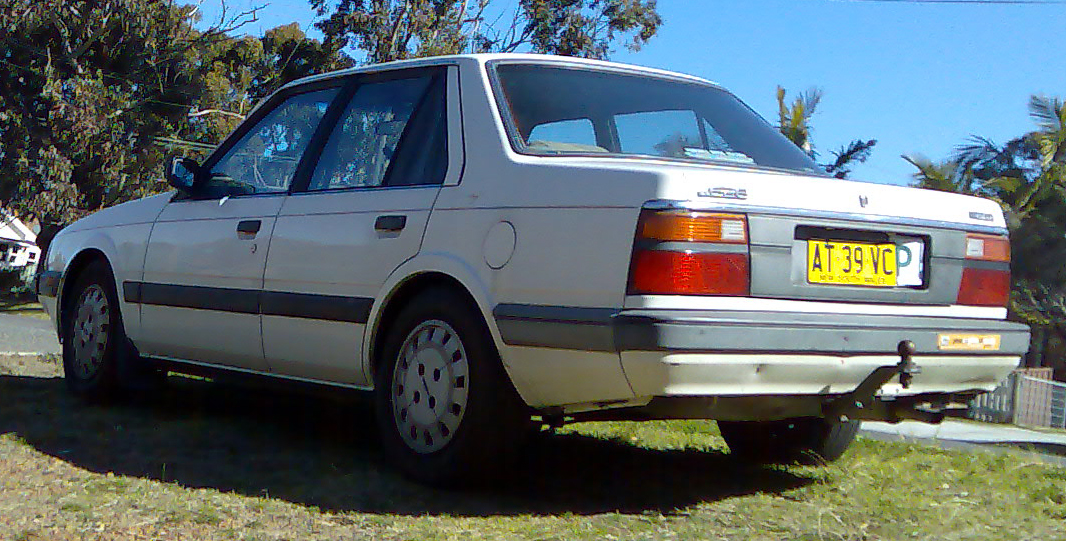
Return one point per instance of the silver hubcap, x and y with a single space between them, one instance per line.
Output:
92 324
429 386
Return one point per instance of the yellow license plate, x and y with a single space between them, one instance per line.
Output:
851 263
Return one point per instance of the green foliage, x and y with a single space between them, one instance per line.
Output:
85 84
95 94
1027 176
857 151
1022 174
387 30
794 122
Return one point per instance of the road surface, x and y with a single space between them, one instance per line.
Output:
22 334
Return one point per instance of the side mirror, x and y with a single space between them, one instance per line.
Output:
182 173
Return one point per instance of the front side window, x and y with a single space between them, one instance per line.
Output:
391 133
264 160
608 113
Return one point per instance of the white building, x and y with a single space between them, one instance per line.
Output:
18 243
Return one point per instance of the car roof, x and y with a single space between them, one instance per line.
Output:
484 58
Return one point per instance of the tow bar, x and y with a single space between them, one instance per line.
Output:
862 403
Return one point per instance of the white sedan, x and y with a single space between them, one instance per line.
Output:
484 240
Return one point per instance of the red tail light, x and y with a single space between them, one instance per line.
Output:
984 286
685 273
662 265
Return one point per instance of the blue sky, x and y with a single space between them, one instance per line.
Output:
918 77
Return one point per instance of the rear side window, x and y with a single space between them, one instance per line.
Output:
390 133
576 134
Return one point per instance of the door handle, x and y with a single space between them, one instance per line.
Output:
248 228
394 222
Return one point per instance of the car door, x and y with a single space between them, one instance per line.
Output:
203 270
361 214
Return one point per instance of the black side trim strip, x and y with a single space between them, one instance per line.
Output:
242 301
131 292
568 314
48 283
250 301
311 306
566 327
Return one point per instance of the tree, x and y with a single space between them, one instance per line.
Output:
96 94
242 71
86 87
1020 174
1027 176
794 122
388 30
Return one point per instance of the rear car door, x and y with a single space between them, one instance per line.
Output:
203 270
360 214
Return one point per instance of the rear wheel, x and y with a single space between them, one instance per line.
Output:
807 440
447 410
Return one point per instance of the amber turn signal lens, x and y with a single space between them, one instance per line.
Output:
987 248
984 287
688 226
685 273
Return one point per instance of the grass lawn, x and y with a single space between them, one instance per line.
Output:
209 461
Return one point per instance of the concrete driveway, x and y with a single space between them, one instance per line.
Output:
21 334
960 434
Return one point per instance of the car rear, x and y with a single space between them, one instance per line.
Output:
758 288
772 295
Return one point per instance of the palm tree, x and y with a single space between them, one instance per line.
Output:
1019 174
946 176
1027 176
794 122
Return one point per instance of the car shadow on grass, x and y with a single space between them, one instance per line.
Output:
324 452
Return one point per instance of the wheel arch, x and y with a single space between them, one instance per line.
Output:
81 261
407 289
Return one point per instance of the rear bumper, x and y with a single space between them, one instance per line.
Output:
562 356
777 333
686 353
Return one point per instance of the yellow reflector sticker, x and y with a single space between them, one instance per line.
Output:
968 342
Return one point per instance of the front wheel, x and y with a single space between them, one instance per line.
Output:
447 411
92 335
806 440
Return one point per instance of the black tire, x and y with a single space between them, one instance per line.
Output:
442 444
804 440
93 335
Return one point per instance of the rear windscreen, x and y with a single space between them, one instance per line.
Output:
568 111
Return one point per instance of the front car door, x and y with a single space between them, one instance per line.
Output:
360 215
204 266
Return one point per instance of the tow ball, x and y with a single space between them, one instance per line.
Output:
907 368
862 403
